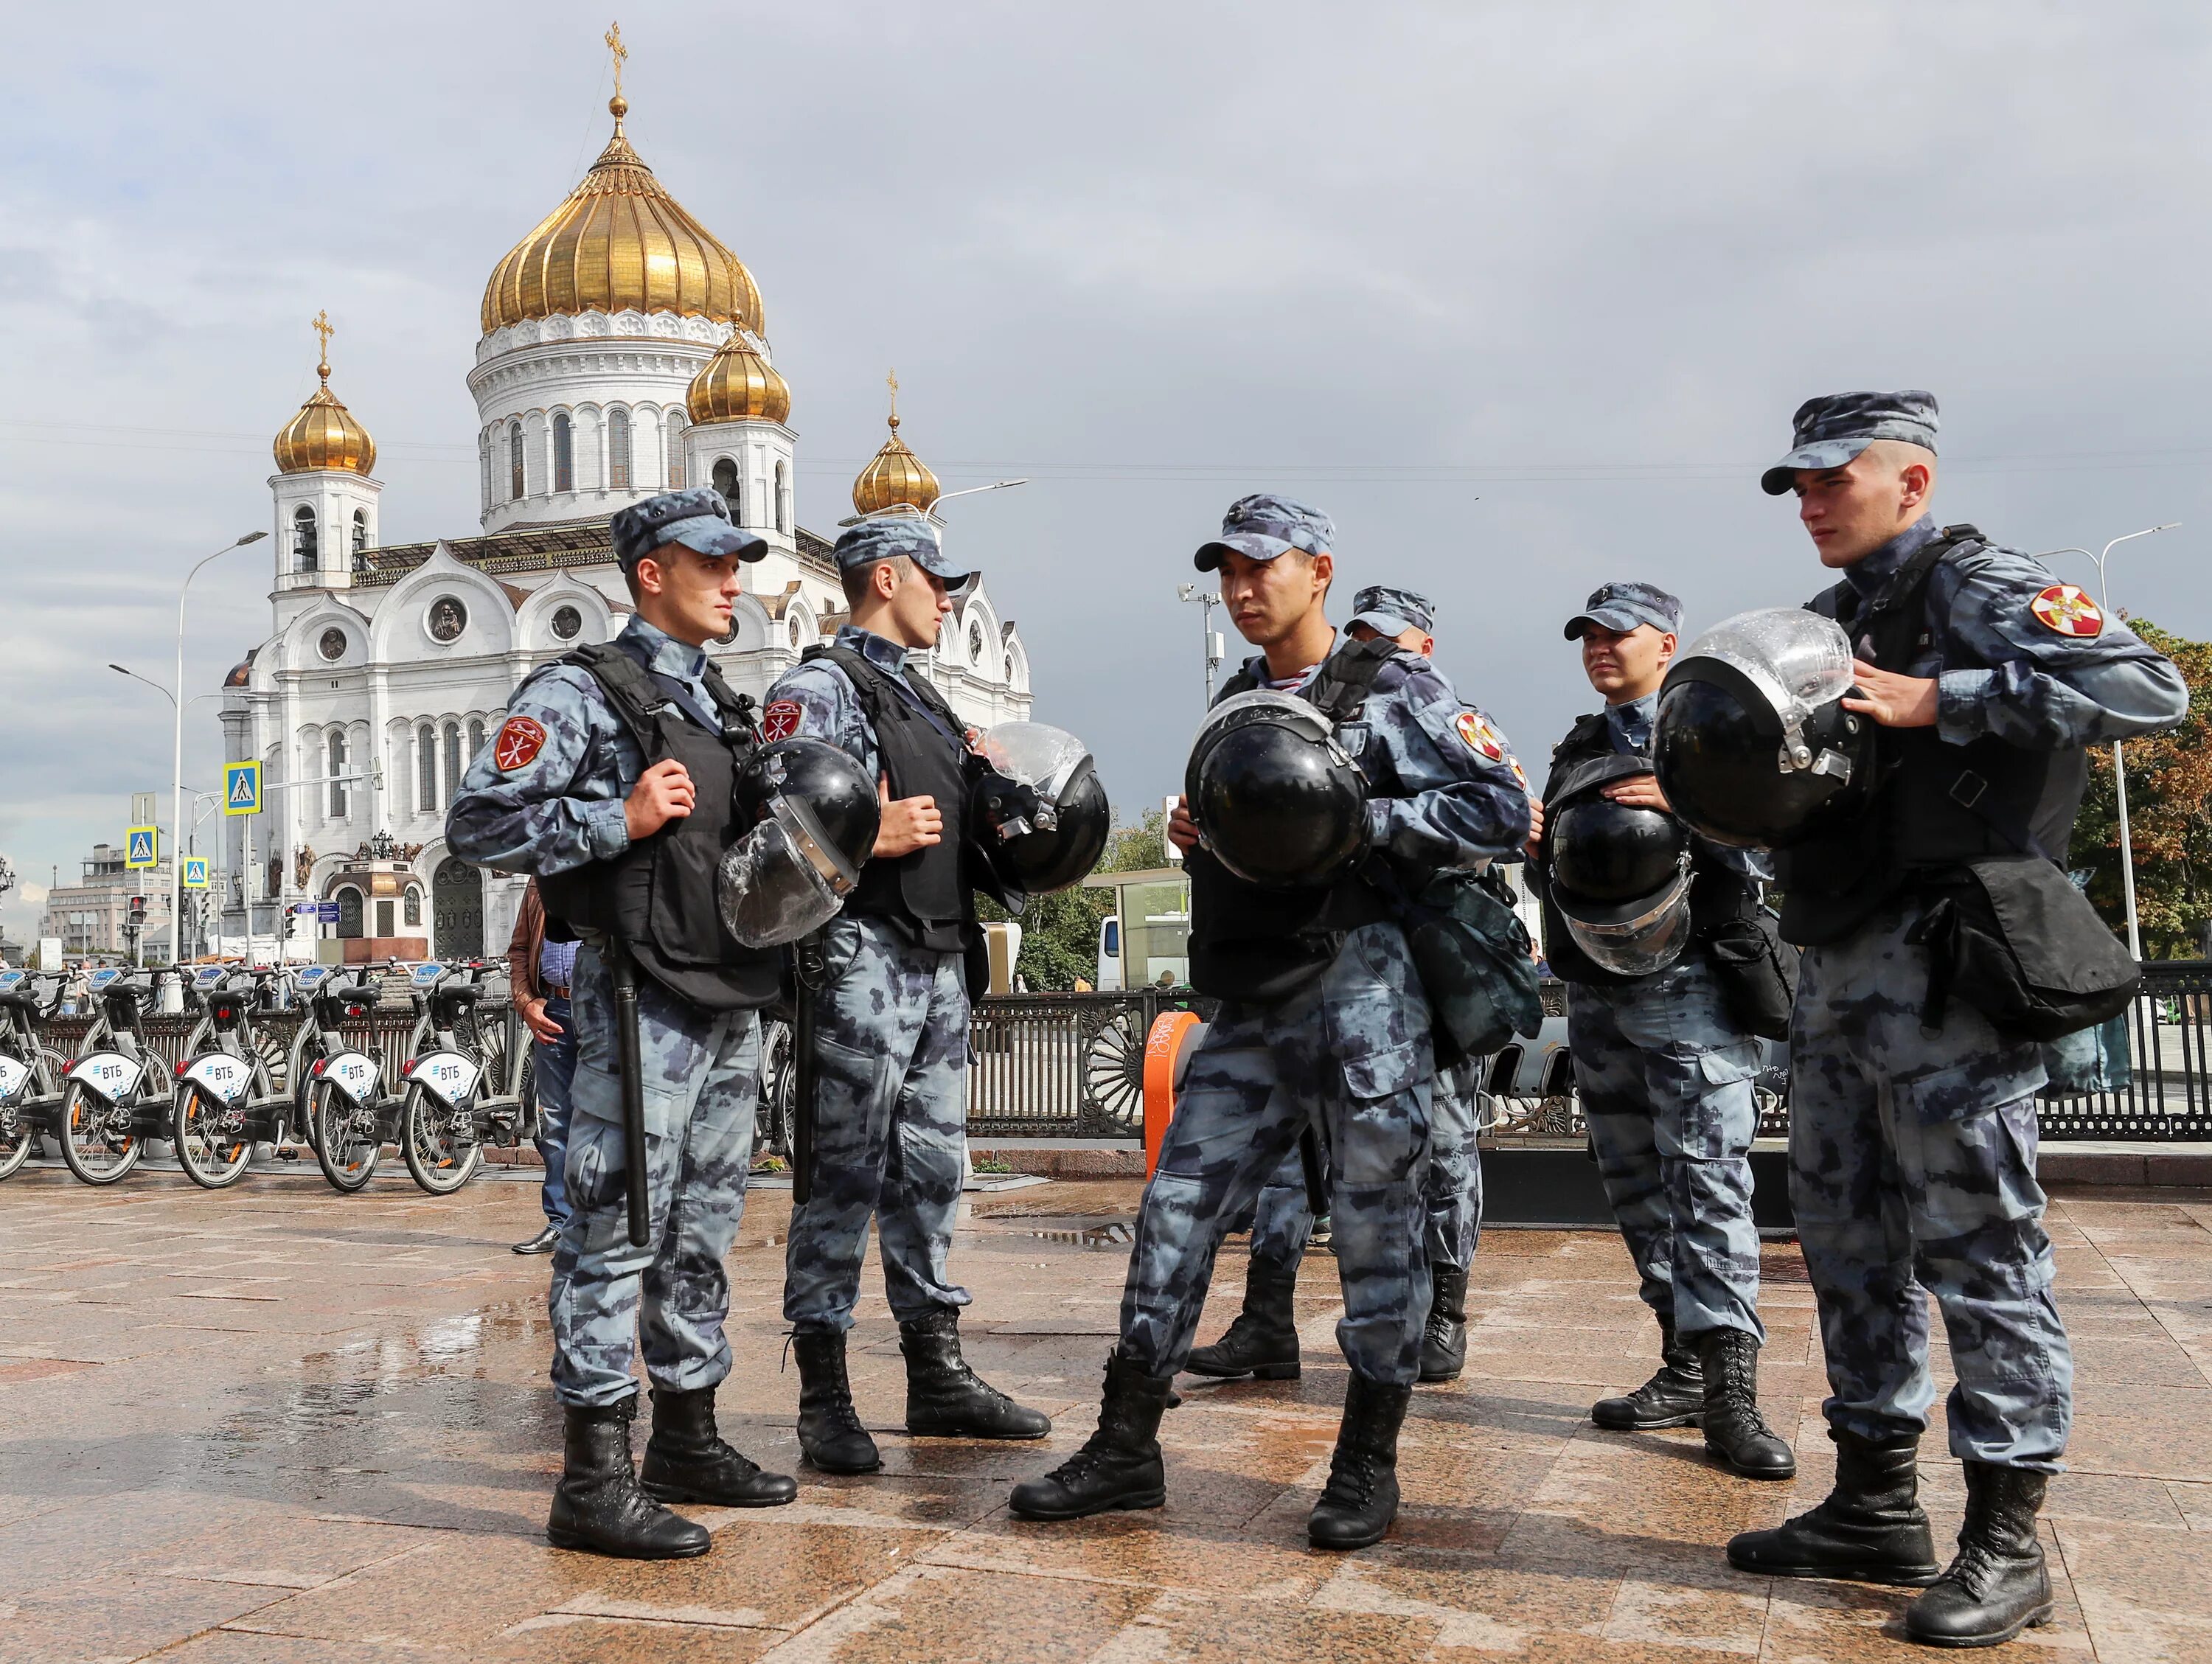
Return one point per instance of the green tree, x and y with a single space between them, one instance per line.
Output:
2169 817
1060 932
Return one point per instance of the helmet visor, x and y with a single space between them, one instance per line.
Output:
1649 942
1035 755
781 880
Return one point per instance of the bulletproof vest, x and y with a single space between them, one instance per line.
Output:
1936 805
1264 946
918 740
1716 893
658 898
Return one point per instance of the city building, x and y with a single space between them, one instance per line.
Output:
90 916
623 353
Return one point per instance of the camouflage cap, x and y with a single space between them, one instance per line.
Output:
900 533
1621 607
1262 526
1829 431
698 519
1393 611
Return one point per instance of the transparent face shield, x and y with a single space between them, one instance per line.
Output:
1649 942
782 880
1799 662
1041 760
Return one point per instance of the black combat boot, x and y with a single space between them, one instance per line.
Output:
1871 1529
1361 1497
1997 1585
1263 1340
943 1397
1675 1397
598 1506
1118 1465
830 1435
1443 1339
1735 1431
686 1461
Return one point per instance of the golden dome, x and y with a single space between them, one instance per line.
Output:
620 243
325 434
894 475
738 385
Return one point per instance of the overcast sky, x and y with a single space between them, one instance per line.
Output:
1522 295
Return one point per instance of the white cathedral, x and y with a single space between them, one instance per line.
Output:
623 354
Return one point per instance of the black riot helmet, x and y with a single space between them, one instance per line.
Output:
807 816
1037 809
1752 744
1276 799
1619 875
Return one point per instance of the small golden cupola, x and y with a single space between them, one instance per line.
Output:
738 384
325 434
894 475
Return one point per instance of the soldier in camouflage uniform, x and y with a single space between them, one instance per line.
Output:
1346 1050
1663 1069
1913 1129
566 793
1263 1340
891 1046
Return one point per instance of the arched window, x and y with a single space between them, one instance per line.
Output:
426 770
618 450
515 461
484 468
303 539
452 738
733 493
360 537
673 439
349 900
476 739
782 500
410 908
564 456
338 755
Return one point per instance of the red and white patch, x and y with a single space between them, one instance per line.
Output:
520 739
1474 728
2069 610
781 720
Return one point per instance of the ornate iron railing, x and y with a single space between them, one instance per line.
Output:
1068 1065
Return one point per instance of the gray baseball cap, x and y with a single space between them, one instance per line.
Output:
1393 611
698 519
1621 607
900 533
1829 431
1263 525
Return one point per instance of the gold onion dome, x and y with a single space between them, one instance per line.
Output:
325 434
737 384
620 243
894 475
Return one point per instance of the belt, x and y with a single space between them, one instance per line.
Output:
555 994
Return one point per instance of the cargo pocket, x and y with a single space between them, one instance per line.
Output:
1718 1114
596 1093
848 1086
1386 1123
1965 1169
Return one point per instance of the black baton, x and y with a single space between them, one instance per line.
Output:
629 1053
1316 1172
807 963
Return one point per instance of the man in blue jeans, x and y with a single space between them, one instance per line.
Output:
539 971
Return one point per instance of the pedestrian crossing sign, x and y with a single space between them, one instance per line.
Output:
196 872
141 846
241 789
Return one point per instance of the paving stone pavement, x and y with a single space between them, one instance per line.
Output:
274 1423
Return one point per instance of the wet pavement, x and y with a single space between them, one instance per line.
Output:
275 1423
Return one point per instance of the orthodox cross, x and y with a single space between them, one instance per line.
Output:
891 380
323 327
621 53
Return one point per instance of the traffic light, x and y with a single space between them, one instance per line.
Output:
137 912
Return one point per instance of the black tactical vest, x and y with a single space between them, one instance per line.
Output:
1716 893
925 892
1936 805
657 897
1264 946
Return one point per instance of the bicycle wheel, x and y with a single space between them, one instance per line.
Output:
346 1141
300 1071
99 1141
440 1142
211 1148
14 1141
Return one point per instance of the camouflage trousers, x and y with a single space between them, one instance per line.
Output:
1912 1173
891 1128
1664 1071
702 1085
1451 1196
1350 1054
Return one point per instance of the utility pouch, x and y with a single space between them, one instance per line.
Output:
1756 969
1472 952
2015 940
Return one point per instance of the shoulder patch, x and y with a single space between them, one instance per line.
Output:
781 720
1473 728
520 739
2068 609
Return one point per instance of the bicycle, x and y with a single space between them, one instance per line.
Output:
226 1099
446 1117
348 1115
30 1070
112 1096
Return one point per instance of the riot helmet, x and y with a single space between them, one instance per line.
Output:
1752 744
808 815
1276 799
1038 810
1619 875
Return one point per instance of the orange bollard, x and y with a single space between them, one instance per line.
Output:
1164 1047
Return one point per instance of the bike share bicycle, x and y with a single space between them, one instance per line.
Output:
115 1095
227 1100
30 1071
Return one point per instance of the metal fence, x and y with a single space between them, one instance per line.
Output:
2154 1066
1066 1065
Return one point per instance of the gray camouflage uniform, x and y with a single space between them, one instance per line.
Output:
1912 1155
1350 1053
560 808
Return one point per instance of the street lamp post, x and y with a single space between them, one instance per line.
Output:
1211 643
177 751
2119 763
